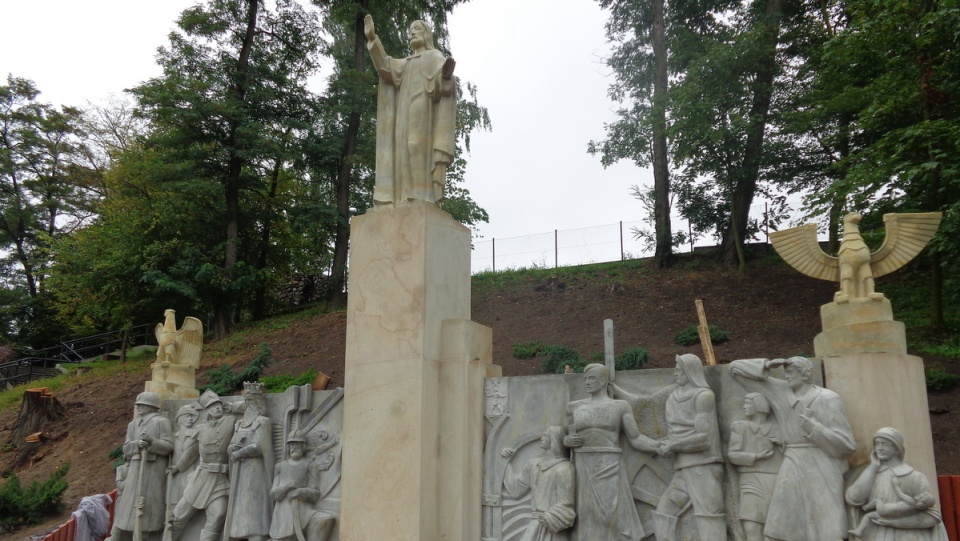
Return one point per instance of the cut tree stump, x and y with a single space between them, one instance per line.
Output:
38 408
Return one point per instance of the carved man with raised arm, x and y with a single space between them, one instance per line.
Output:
605 506
416 118
807 502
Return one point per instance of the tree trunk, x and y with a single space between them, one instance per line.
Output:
338 272
746 178
661 172
260 298
38 408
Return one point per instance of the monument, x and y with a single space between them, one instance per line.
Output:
864 350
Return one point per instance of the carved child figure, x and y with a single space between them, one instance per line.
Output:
897 498
550 479
753 449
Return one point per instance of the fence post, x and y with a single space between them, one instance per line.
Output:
493 244
556 250
622 257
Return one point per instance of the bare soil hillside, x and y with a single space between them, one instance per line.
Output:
773 312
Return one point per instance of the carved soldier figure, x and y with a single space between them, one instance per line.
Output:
753 449
141 505
898 500
693 437
605 506
296 490
186 419
251 470
807 502
209 485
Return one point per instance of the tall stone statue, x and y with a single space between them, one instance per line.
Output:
605 506
855 267
754 450
297 490
897 499
140 511
178 357
807 502
550 480
693 437
416 118
209 485
251 469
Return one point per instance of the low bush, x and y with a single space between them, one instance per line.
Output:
282 382
21 506
527 350
556 357
690 336
938 379
224 381
633 359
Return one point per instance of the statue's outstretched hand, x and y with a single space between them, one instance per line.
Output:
368 29
448 65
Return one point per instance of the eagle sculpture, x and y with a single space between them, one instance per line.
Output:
855 267
182 346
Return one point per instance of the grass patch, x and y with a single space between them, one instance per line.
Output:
282 382
938 379
493 280
690 336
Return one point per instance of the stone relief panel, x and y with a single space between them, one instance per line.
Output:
692 453
257 466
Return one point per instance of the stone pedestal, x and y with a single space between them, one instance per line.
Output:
865 361
173 382
413 408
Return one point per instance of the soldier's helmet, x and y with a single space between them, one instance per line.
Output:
296 436
207 398
148 399
189 409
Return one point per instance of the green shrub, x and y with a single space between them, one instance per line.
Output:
633 359
527 350
556 357
117 456
25 506
282 382
224 382
938 379
690 336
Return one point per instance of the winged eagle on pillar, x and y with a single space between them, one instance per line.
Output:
855 267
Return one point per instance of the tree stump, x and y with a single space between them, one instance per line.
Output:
38 408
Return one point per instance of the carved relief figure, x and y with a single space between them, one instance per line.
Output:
416 118
693 437
855 267
251 469
807 502
297 490
550 480
141 506
898 500
186 418
753 449
208 487
605 506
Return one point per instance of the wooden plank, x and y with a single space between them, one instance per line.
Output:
704 331
608 357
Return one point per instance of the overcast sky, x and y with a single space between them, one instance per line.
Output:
538 65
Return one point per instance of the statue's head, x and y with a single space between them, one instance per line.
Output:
595 377
147 402
755 403
211 404
552 440
689 371
253 397
888 443
187 415
799 370
421 35
297 444
852 219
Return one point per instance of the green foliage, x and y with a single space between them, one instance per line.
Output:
556 357
938 379
25 506
224 381
527 350
634 358
117 456
690 336
280 383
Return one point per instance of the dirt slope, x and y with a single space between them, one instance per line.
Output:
774 312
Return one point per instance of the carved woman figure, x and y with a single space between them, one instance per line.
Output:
550 479
897 498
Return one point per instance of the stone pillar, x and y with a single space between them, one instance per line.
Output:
865 361
413 408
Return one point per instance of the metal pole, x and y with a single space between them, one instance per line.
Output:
766 220
621 241
493 243
556 250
